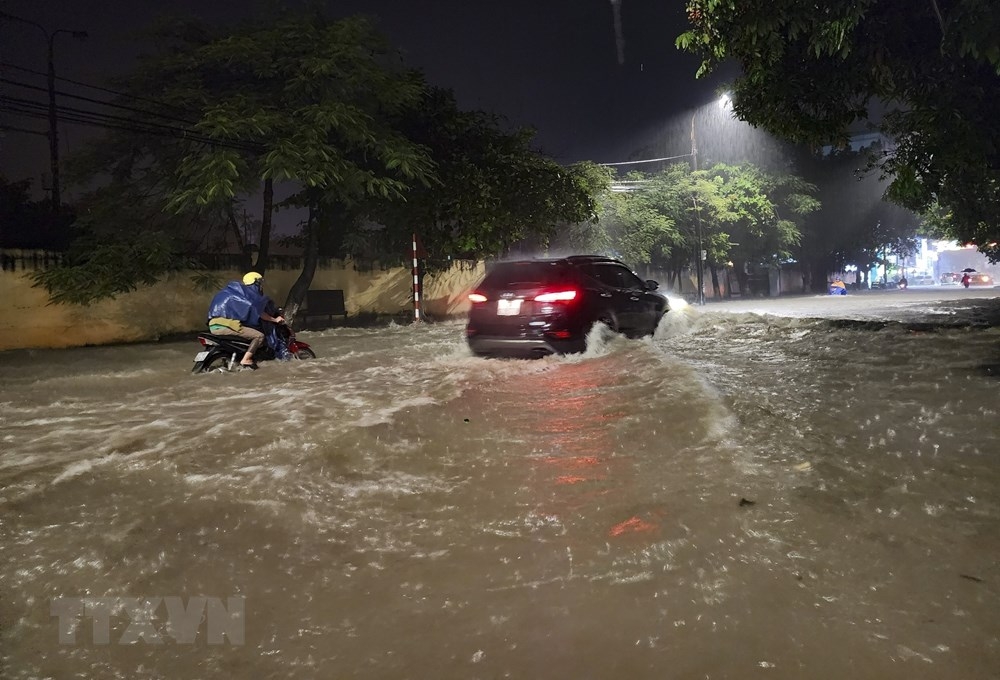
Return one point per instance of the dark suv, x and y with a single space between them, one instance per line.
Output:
540 307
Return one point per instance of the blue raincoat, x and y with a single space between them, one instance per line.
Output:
239 303
244 303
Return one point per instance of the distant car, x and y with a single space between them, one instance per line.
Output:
980 279
548 306
949 278
921 280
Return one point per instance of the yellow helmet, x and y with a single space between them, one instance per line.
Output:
251 278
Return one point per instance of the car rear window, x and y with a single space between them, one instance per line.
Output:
527 274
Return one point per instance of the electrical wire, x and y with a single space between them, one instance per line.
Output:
117 93
13 128
649 160
97 101
36 110
78 116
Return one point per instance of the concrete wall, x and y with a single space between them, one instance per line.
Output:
175 305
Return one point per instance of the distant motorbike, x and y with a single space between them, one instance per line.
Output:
223 352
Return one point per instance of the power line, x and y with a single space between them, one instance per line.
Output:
117 93
13 128
97 101
28 104
115 126
99 119
649 160
33 109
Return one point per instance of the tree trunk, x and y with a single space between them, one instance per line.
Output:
820 269
297 293
244 250
677 274
265 227
744 280
716 292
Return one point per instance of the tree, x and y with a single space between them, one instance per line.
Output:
811 71
325 108
489 188
762 217
299 99
316 102
733 210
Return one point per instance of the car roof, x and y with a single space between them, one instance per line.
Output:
570 259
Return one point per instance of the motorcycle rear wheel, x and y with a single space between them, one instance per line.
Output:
304 353
218 363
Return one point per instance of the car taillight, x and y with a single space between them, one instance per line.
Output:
476 298
557 296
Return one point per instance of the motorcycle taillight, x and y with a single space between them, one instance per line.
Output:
202 341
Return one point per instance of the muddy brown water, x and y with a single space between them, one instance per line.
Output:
794 488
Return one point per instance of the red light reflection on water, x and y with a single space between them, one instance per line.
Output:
631 525
586 474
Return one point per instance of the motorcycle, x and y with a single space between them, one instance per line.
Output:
223 352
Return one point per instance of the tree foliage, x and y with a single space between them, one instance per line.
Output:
737 213
300 99
303 99
326 109
810 71
489 188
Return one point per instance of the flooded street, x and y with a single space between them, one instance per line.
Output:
791 488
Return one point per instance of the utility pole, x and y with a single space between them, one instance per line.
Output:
53 111
699 256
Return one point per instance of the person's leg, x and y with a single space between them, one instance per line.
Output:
256 338
253 335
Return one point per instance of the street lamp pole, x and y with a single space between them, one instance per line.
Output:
697 210
54 117
53 111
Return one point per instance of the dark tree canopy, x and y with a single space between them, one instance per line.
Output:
328 109
924 72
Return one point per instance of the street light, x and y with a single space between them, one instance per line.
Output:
724 101
53 114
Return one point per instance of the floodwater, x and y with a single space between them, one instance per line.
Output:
795 488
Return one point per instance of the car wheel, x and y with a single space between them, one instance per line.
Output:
609 321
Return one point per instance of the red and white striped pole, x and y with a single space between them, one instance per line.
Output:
416 282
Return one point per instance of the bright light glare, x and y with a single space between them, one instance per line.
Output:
725 101
676 303
561 296
477 297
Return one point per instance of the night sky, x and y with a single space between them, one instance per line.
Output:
550 64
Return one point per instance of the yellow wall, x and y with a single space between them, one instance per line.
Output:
175 305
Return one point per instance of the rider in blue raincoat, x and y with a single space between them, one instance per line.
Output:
237 309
